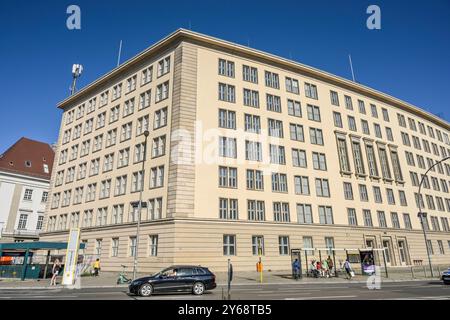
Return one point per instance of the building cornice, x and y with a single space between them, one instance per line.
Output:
182 34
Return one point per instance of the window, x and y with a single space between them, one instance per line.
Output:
348 102
121 185
229 245
136 183
322 188
334 98
299 159
117 214
294 108
227 93
162 91
146 76
292 85
133 243
301 185
227 147
304 213
441 247
144 99
226 68
365 127
385 114
142 125
227 177
396 166
253 151
126 132
283 245
343 154
374 111
316 136
377 194
367 218
98 247
159 146
157 177
250 74
377 130
251 98
390 196
361 107
430 247
273 103
389 134
131 83
395 221
105 189
281 212
22 225
308 244
255 180
277 154
352 220
358 158
381 219
40 223
407 221
348 191
28 194
325 215
363 194
311 91
160 119
319 161
352 123
256 210
402 196
272 80
279 182
252 123
313 113
275 128
258 245
115 247
153 245
163 66
385 170
124 156
296 132
371 161
337 119
116 91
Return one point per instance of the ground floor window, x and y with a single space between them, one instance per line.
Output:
258 245
153 241
283 243
229 245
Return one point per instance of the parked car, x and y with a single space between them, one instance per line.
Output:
194 279
446 276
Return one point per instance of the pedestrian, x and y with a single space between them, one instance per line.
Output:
96 267
330 265
348 269
55 271
326 271
319 268
296 269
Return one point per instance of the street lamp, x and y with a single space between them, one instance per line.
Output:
146 133
423 215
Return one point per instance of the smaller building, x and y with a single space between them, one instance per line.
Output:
25 171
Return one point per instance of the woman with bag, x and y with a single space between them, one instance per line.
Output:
55 271
348 269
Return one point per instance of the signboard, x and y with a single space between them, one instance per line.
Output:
367 262
71 257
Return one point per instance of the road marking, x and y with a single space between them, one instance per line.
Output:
320 298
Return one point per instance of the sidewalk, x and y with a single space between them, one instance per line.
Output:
108 280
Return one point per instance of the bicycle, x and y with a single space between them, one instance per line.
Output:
122 277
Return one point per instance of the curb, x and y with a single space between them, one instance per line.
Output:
224 284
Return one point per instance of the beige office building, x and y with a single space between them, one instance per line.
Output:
245 148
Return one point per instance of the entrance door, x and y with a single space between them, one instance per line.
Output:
403 253
387 251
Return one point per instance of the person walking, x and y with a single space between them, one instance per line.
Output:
348 269
326 271
330 265
96 267
296 269
55 271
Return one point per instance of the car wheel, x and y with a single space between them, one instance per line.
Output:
146 290
198 288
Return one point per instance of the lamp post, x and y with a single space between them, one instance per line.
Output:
423 215
146 133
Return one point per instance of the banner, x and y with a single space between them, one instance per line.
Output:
71 257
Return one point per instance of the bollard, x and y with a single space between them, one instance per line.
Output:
424 271
412 272
439 270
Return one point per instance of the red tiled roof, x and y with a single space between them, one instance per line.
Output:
28 157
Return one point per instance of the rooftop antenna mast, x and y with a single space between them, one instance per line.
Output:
351 67
120 52
77 69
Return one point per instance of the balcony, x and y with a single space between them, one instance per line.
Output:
28 234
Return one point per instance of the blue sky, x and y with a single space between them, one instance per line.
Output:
408 58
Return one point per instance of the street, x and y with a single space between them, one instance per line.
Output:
421 290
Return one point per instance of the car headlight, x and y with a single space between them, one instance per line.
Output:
136 282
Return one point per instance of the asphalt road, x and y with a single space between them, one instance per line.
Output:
423 290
